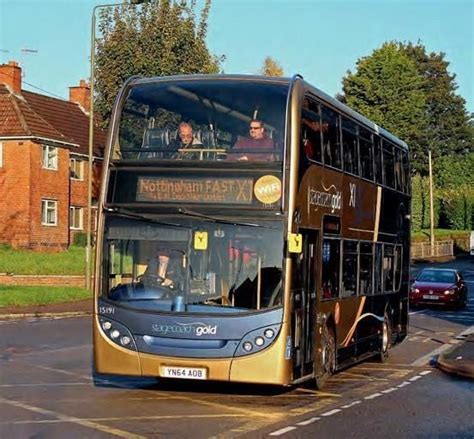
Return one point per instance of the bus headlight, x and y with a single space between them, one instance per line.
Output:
118 333
257 340
247 346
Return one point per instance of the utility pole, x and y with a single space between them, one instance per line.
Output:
432 242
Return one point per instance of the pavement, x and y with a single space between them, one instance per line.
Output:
458 360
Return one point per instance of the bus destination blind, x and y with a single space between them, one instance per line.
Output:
195 190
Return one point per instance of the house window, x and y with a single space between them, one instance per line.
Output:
49 212
75 217
76 169
50 157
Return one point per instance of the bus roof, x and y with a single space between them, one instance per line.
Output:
282 80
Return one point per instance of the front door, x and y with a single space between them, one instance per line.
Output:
304 299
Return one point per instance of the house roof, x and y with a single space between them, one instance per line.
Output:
34 115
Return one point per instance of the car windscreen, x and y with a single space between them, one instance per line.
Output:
437 276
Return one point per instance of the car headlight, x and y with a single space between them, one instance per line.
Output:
415 290
450 292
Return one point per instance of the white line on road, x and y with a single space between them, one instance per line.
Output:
374 395
331 412
72 419
352 404
390 390
415 378
426 358
282 431
425 372
405 383
309 421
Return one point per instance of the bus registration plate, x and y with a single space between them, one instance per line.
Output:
190 373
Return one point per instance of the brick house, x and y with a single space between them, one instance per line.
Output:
44 164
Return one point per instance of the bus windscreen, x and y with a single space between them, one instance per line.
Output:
202 120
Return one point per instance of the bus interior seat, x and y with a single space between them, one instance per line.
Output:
245 296
155 139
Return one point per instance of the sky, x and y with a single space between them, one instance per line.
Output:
319 39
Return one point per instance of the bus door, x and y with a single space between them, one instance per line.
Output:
304 299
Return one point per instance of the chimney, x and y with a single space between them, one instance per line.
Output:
10 75
81 94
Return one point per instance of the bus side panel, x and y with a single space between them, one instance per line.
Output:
271 366
111 358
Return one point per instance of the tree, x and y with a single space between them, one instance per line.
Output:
425 110
448 130
271 68
154 39
388 89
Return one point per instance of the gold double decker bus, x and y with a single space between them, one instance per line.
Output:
273 258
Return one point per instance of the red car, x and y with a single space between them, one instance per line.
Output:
439 286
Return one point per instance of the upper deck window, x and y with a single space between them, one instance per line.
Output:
203 120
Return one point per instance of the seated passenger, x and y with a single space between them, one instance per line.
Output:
185 140
258 140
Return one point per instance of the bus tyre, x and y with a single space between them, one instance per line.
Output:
326 358
385 340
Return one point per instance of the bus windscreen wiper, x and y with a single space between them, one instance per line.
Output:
129 214
193 214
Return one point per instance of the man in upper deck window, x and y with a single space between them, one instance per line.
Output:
185 140
258 141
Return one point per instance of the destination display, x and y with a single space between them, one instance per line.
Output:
195 190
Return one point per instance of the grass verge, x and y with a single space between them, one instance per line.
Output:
69 262
40 295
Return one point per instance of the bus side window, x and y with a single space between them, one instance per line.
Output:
331 138
366 151
349 268
378 269
388 268
398 267
365 268
406 172
378 160
388 165
399 180
311 130
349 147
330 271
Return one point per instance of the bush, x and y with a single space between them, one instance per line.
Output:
80 239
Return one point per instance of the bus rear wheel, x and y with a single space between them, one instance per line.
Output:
326 358
385 340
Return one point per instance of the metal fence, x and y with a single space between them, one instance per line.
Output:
422 250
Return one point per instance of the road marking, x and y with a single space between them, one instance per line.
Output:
42 385
309 421
282 431
125 418
352 404
331 412
318 393
415 378
405 383
390 390
425 372
374 395
72 419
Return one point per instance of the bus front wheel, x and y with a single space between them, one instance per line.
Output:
325 358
